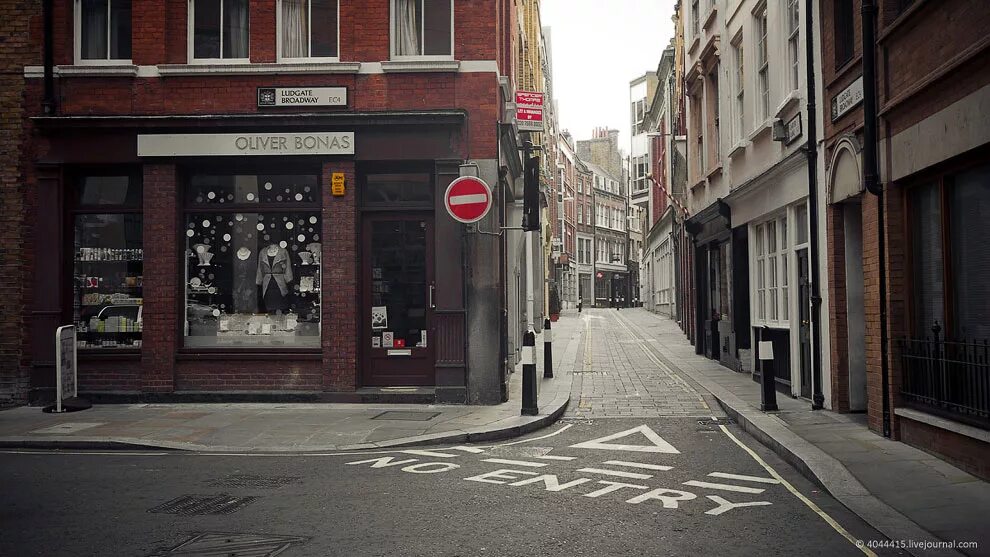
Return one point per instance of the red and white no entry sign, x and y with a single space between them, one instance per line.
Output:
468 199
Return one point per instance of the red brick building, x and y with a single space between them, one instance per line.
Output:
248 197
932 91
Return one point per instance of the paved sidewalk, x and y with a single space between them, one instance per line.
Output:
902 491
287 427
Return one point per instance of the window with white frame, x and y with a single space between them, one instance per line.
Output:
793 25
422 28
219 29
695 16
103 31
580 214
763 62
740 83
307 29
771 271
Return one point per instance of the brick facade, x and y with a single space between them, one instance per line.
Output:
484 32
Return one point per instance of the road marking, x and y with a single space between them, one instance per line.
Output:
515 462
639 465
489 477
724 487
659 445
724 505
558 432
472 450
660 494
811 505
610 487
383 462
430 453
551 483
616 473
552 457
743 477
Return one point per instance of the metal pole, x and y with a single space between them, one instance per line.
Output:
529 394
547 350
817 398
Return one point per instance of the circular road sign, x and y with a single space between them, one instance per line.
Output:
468 199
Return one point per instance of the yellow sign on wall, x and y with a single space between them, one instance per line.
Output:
337 183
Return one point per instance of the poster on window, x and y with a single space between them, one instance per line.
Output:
388 339
379 317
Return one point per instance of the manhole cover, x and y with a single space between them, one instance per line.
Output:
191 505
406 416
232 545
248 480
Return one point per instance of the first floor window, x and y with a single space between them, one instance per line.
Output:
763 63
252 261
220 29
309 28
104 29
422 27
108 262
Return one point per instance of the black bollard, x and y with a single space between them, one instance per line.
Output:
547 350
768 395
529 403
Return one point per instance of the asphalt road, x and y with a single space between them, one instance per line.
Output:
582 500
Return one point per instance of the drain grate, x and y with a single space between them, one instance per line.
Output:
232 545
406 416
193 505
250 480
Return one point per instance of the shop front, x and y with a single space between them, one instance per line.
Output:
269 255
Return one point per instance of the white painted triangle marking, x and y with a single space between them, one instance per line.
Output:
659 445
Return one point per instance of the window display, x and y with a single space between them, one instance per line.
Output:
252 265
108 262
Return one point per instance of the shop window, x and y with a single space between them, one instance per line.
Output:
770 277
103 31
422 28
107 300
220 29
308 28
253 253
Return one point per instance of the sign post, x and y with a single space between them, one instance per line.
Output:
468 199
65 363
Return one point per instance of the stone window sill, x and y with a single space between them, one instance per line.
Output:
248 69
94 70
790 101
761 129
391 66
738 149
943 423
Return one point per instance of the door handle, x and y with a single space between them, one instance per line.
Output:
432 288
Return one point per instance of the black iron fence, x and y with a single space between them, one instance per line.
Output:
949 378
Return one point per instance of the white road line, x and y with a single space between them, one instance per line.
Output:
616 473
472 450
811 505
430 454
515 462
639 465
558 432
725 487
743 477
552 457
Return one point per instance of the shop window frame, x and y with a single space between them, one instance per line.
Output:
74 207
186 207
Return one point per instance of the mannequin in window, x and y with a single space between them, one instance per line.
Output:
274 276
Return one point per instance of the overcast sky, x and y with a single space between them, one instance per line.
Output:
599 46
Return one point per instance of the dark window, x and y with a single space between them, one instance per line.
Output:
844 31
105 30
220 29
398 189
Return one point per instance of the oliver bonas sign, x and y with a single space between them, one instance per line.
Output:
251 144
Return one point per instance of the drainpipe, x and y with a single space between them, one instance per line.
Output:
48 100
817 399
871 181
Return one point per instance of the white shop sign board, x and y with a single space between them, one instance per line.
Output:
65 365
250 144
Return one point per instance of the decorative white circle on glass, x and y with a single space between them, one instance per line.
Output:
216 313
312 220
200 248
289 225
238 217
301 238
316 237
298 197
268 185
206 223
282 244
194 282
261 226
243 253
250 197
211 195
190 233
226 237
211 290
278 198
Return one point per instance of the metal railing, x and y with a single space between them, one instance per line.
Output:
948 378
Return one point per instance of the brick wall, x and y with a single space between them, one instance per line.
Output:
838 329
161 271
965 452
15 50
340 284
